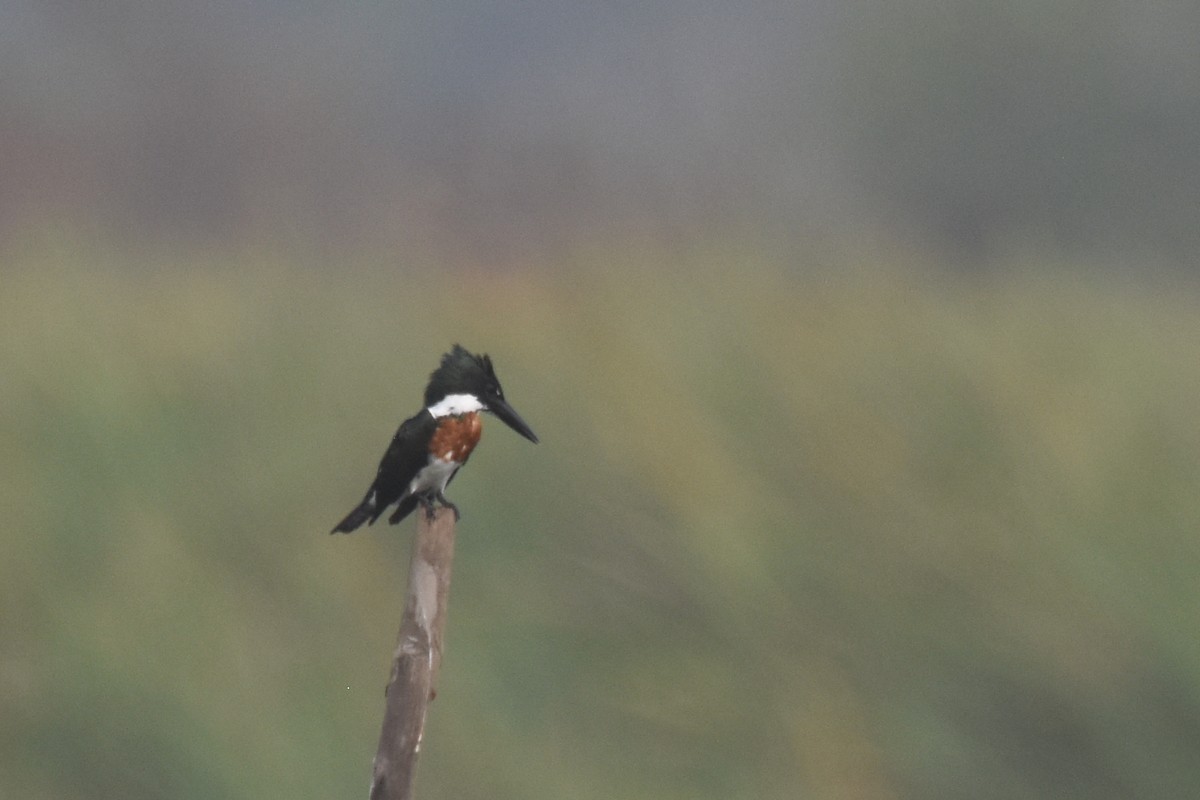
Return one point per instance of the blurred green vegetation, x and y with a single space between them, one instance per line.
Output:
873 532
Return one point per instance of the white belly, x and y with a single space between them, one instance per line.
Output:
433 477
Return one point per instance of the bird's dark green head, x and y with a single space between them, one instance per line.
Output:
462 372
466 381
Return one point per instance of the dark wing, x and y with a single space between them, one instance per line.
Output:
403 509
404 458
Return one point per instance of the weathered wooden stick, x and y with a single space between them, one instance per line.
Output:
413 682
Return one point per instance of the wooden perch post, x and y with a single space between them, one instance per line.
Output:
418 656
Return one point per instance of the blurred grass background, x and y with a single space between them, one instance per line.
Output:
862 530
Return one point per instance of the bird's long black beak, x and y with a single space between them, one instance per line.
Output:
511 418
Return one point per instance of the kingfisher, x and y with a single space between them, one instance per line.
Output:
430 447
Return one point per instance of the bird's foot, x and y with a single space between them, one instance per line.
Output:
446 504
427 503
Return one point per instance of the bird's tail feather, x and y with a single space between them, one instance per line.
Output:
357 517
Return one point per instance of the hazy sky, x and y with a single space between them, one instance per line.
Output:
501 121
